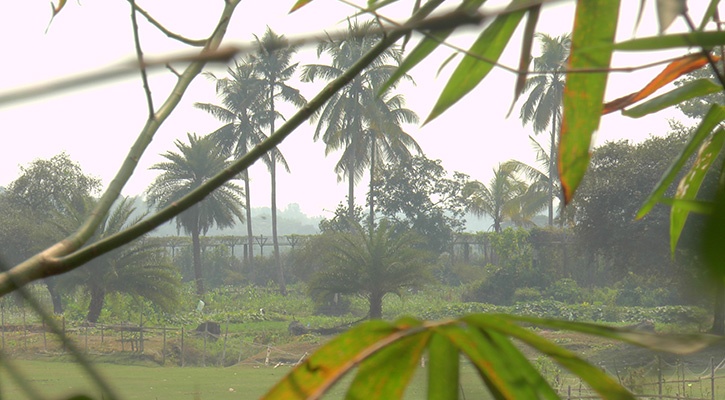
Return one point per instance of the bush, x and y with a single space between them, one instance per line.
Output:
526 294
496 288
566 290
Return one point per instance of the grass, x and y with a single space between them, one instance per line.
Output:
61 379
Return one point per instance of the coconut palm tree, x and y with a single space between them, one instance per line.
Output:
139 269
384 137
273 68
543 107
342 121
241 96
370 263
504 199
185 171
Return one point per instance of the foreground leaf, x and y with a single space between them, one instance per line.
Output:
690 90
471 70
443 369
711 121
595 24
690 184
674 70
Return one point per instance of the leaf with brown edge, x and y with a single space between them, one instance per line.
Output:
443 369
299 4
595 25
386 374
690 184
690 90
674 70
328 364
56 9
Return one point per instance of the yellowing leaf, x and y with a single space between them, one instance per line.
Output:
673 71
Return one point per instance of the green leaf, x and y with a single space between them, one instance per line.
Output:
471 70
711 9
595 23
690 184
667 11
672 343
712 119
525 59
713 236
443 369
386 374
694 39
426 46
594 377
502 376
697 88
696 206
328 364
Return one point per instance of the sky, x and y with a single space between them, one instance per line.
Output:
97 124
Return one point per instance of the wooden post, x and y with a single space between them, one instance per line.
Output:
266 359
224 347
25 331
140 332
682 366
62 319
101 334
659 375
203 354
163 349
182 346
2 316
241 346
712 378
45 343
85 331
123 344
568 393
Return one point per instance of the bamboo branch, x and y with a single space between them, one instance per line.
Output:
46 263
139 57
65 256
172 35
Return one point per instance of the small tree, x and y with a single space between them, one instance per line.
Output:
371 264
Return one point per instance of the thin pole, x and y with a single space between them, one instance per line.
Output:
45 343
2 310
224 347
568 393
140 332
712 378
101 334
241 346
203 354
659 375
182 346
163 350
85 331
682 366
63 322
25 331
123 344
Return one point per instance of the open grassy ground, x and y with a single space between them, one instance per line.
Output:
61 379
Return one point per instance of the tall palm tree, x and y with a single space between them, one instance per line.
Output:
185 171
242 112
273 67
342 121
503 199
540 178
543 107
139 269
384 137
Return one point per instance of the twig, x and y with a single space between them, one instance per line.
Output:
705 52
139 57
173 71
159 26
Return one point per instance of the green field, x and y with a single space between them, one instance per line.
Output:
61 379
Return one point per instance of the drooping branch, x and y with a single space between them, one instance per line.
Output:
65 256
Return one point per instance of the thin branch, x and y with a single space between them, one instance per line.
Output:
173 71
139 57
66 255
46 263
172 35
706 52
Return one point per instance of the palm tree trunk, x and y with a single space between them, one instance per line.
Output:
196 249
98 295
372 176
275 241
250 235
351 188
376 306
552 165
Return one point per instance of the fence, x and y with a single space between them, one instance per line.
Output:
675 386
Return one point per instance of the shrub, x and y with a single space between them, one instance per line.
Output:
566 290
526 294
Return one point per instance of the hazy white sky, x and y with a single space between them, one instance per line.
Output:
96 125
